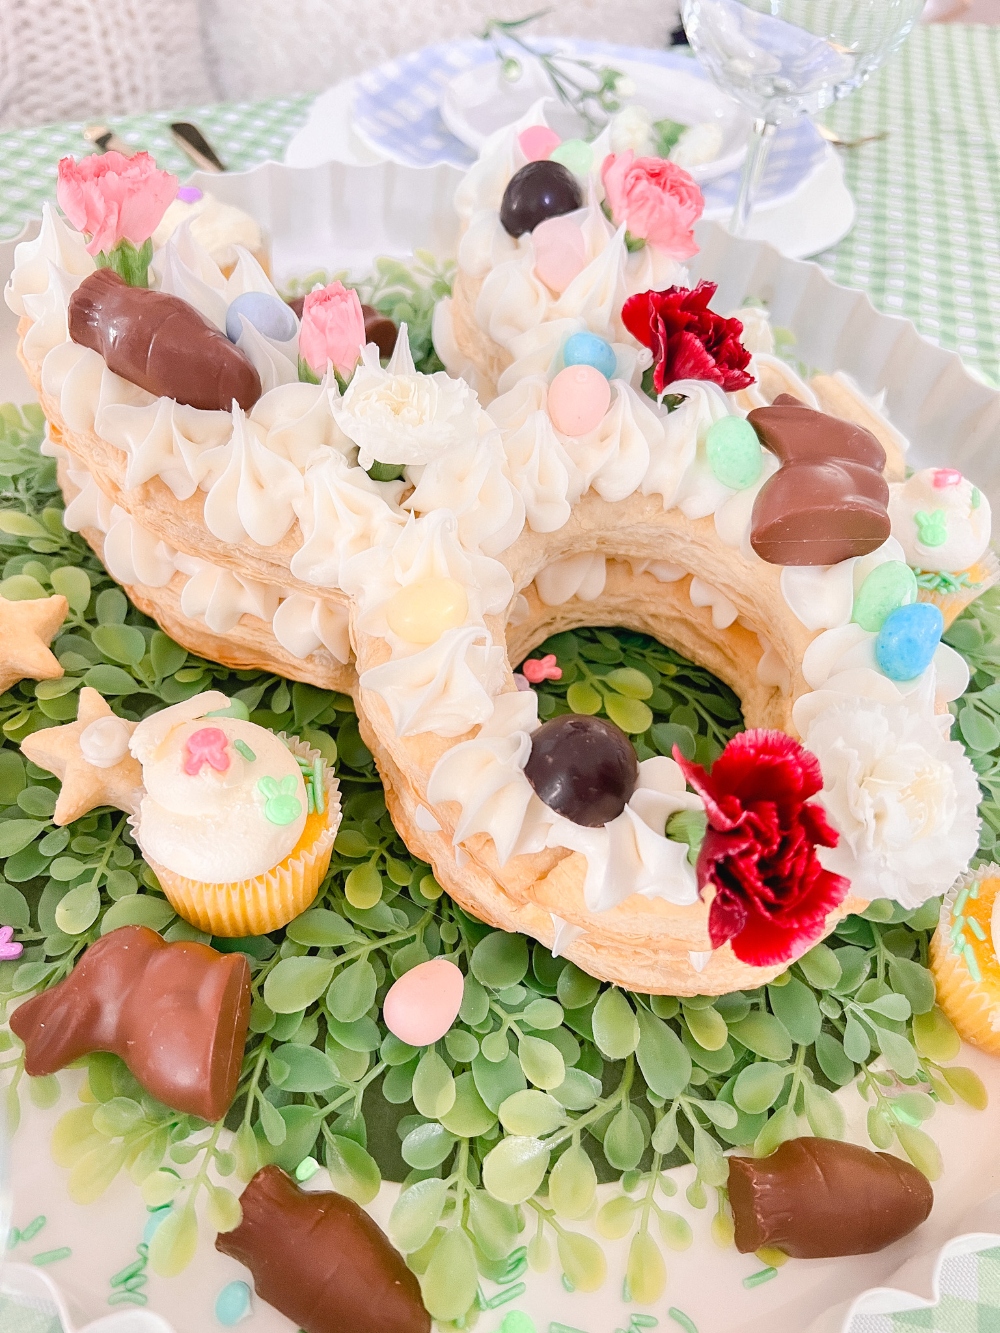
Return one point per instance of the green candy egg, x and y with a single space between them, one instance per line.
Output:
734 452
887 587
575 156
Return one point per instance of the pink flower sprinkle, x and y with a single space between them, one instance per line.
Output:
207 746
545 668
9 950
945 477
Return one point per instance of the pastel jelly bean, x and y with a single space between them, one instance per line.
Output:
587 349
887 587
537 142
734 452
422 1005
560 252
233 1304
421 612
908 639
575 155
579 396
267 313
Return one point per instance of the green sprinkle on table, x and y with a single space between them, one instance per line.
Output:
31 1230
757 1279
516 1321
685 1321
51 1256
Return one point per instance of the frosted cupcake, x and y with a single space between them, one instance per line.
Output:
943 524
964 958
217 227
237 823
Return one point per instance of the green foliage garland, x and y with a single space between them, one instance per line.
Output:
549 1082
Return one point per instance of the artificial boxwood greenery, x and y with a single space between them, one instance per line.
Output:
549 1081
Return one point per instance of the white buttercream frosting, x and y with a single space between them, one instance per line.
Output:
581 576
302 624
56 246
221 598
213 825
342 513
256 491
104 743
447 688
822 596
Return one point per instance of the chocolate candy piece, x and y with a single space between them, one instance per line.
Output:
161 343
538 191
827 502
177 1014
821 1199
583 768
380 330
321 1261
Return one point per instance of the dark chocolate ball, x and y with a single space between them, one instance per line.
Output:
583 768
538 191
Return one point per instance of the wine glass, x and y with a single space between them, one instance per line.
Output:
788 58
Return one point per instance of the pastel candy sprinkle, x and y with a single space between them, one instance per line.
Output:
537 669
516 1321
575 155
932 528
266 312
422 1005
156 1218
9 948
537 142
888 586
242 748
579 397
944 477
190 194
560 252
421 612
233 1304
587 349
734 452
206 746
281 805
908 639
306 1169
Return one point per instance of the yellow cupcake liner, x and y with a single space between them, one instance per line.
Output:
966 968
980 576
267 901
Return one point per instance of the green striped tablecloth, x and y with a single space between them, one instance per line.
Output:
927 239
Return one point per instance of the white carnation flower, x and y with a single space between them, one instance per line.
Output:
902 796
401 417
632 128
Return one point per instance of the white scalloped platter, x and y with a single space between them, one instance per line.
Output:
339 216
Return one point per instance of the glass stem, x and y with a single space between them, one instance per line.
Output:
758 148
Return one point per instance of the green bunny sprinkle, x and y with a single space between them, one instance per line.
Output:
932 527
281 805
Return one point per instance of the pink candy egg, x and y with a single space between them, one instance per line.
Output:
579 396
537 141
560 252
422 1005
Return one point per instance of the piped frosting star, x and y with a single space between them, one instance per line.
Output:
92 758
26 630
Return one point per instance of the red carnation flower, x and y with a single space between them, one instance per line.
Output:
688 341
772 895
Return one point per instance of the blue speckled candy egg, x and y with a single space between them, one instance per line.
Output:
233 1304
587 349
268 314
907 640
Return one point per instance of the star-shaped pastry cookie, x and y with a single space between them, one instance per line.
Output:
96 768
26 630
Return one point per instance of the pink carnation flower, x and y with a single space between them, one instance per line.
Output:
656 199
114 197
333 329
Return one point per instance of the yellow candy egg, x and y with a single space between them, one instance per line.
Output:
422 611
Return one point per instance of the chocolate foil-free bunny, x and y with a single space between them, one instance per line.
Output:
827 502
177 1014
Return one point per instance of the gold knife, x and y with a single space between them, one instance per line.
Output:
191 141
105 139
